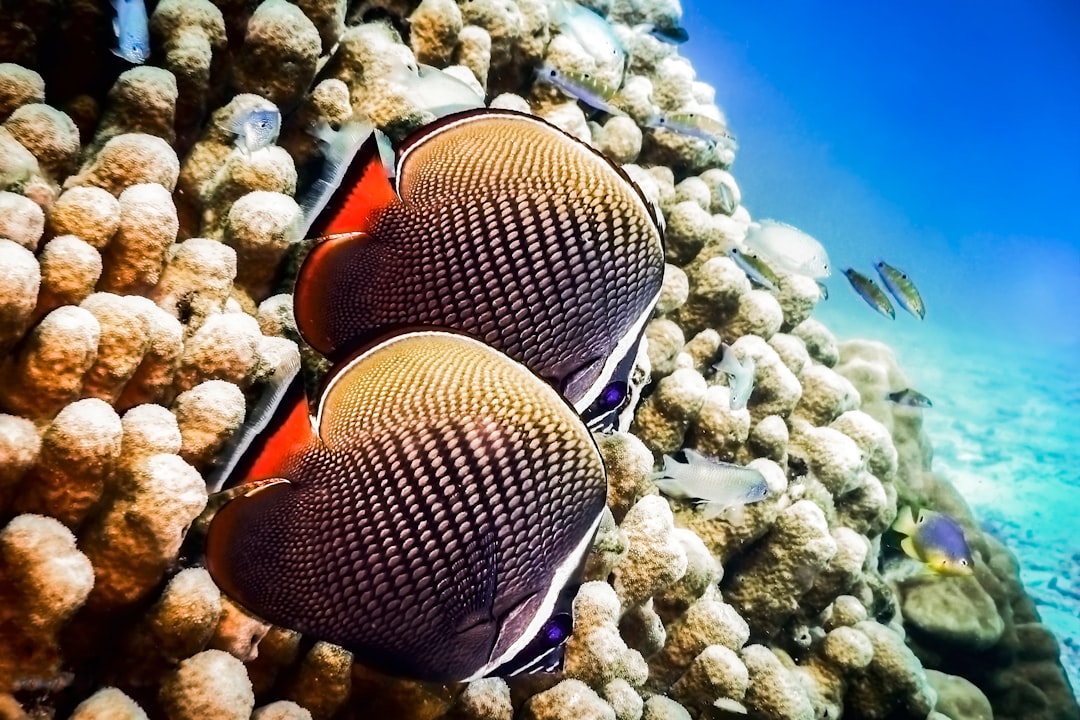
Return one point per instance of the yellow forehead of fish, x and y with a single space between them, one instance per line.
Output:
513 155
397 379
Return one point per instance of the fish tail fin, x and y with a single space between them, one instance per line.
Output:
277 426
354 184
908 546
905 521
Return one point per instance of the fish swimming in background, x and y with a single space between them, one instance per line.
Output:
910 398
693 124
255 128
740 375
788 249
672 33
437 91
868 290
902 288
131 28
755 268
714 485
591 30
582 86
499 225
936 540
433 517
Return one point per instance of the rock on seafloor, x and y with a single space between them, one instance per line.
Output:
145 265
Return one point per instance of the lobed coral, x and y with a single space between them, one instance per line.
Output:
142 257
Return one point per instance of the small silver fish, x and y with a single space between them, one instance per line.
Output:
437 91
692 124
910 398
868 290
740 376
902 288
755 268
715 485
788 248
582 86
591 30
132 31
255 128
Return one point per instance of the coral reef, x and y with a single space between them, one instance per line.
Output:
144 260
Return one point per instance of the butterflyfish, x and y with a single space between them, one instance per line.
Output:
869 291
902 288
711 484
936 540
496 224
434 520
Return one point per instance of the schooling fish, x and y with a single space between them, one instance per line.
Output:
583 86
936 540
713 484
755 268
868 290
432 517
591 30
692 124
255 128
910 398
740 375
499 225
789 249
902 288
132 31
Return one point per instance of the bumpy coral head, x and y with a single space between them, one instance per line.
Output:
437 521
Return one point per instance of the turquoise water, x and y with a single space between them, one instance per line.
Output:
1005 428
960 164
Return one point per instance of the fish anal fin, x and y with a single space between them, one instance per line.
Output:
322 274
226 536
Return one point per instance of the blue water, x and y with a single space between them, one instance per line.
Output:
944 140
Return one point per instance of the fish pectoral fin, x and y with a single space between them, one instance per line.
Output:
328 267
514 615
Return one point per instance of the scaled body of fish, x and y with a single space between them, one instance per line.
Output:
713 484
740 375
936 540
591 30
902 288
432 517
695 125
499 225
582 86
755 268
910 398
255 128
788 249
131 28
869 291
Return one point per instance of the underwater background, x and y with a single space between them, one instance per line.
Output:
151 215
942 139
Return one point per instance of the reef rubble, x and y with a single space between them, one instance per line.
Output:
144 265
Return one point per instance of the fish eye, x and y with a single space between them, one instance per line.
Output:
613 396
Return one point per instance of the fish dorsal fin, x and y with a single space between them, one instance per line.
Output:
353 188
276 426
321 275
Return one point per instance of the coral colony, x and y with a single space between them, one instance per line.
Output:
150 242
